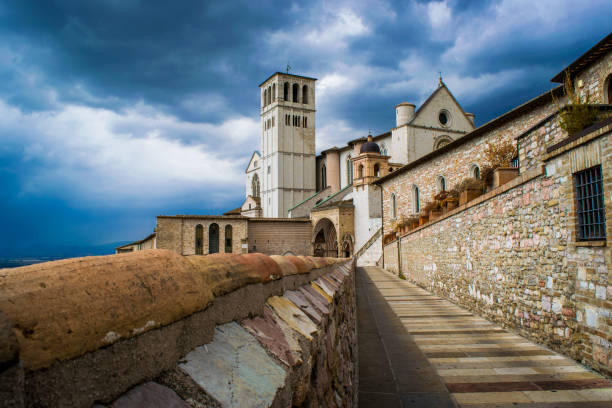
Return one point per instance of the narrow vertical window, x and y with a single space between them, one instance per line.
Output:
199 239
349 170
296 91
305 94
323 177
376 170
265 97
441 184
590 210
286 91
213 239
273 98
416 202
228 239
394 206
305 121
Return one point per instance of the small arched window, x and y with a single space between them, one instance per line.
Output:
416 204
296 91
393 206
269 95
323 177
441 183
360 171
305 94
273 98
228 239
349 171
265 97
286 91
199 239
475 171
376 170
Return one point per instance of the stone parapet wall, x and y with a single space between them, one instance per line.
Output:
154 328
513 257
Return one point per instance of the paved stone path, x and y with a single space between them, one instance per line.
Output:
419 350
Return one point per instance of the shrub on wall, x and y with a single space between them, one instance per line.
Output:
578 113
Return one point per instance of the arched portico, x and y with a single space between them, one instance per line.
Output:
325 239
333 233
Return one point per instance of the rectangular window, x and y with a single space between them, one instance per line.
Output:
590 204
305 121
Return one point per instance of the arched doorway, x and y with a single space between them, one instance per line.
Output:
213 239
347 246
325 242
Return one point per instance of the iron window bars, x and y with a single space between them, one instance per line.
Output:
590 204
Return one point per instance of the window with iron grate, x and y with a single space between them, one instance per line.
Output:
590 204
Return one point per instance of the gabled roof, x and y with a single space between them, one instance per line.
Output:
586 59
256 152
235 211
432 96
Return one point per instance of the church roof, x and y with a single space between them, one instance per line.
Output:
369 146
586 59
431 97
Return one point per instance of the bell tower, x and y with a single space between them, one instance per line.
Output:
287 142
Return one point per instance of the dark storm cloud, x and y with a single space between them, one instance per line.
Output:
115 111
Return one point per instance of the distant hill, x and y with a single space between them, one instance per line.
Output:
29 256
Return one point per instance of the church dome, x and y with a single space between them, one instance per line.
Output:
370 146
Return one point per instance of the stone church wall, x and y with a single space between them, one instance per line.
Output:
154 328
454 165
512 256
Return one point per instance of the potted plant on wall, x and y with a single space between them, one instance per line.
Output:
450 200
500 169
412 223
470 188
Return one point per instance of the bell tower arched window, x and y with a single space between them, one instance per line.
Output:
296 92
376 170
273 98
305 94
360 171
286 91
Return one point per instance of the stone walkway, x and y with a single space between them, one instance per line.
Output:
419 350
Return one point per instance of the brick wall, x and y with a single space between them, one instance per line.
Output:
278 237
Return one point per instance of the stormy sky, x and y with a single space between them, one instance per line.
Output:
115 111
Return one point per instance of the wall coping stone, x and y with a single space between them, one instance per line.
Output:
567 146
63 309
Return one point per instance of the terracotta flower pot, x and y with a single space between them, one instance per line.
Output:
502 175
451 205
434 214
468 195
